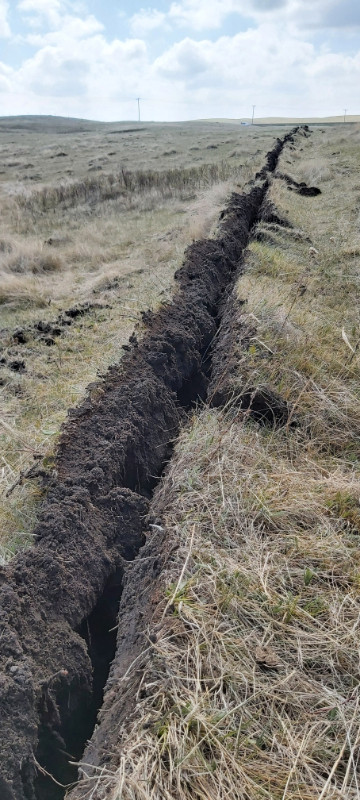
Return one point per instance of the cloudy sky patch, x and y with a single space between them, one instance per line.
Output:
185 59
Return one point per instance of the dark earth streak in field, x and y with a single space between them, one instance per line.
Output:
112 452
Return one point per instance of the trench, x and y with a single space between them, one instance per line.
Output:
61 599
59 750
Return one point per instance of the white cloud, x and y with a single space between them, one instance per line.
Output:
202 15
51 73
6 74
69 29
205 14
251 58
307 13
78 70
48 11
281 73
185 59
51 13
40 6
75 70
193 14
89 73
146 21
4 24
340 14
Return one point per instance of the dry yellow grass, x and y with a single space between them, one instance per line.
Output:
251 685
251 688
112 236
251 682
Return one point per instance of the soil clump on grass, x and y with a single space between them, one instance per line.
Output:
299 188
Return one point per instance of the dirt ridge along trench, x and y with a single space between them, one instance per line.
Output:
112 451
230 359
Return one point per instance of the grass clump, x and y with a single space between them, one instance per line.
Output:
302 294
24 294
37 264
127 184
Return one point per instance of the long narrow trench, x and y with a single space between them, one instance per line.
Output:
64 595
58 751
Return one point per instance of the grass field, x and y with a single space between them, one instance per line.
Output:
100 215
251 686
257 632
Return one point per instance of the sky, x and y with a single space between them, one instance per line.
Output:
186 59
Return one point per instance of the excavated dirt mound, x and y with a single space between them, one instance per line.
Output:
274 154
59 600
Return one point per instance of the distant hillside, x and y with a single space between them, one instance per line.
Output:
308 120
294 120
54 124
50 124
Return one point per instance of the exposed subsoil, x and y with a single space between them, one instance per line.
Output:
59 601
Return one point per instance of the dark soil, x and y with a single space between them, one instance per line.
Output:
274 154
59 600
47 327
137 411
299 188
43 331
271 216
307 191
46 670
20 336
17 365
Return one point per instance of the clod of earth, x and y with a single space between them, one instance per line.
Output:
17 365
46 331
299 188
20 336
271 216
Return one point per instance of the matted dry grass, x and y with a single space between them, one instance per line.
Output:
252 687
